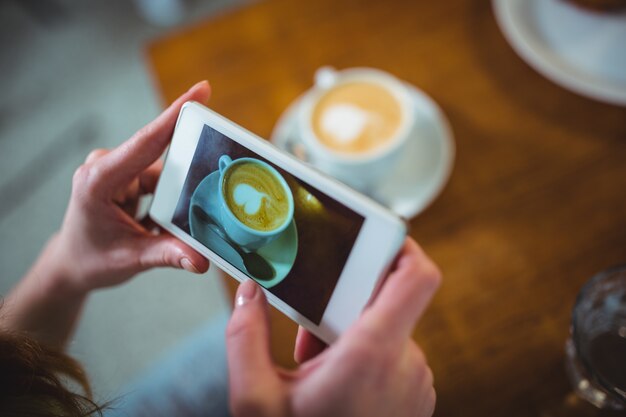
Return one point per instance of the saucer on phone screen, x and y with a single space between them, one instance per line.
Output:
426 164
281 253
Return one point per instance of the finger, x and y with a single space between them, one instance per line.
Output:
405 294
250 368
136 154
424 395
308 346
431 401
149 178
128 193
144 184
166 250
95 155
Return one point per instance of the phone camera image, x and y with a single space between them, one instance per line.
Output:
291 238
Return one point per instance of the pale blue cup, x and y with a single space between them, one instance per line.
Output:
243 235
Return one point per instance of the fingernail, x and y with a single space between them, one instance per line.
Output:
246 292
186 264
198 84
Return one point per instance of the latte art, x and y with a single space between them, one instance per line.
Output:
346 122
249 198
255 196
357 117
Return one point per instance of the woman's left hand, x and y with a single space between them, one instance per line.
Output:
100 243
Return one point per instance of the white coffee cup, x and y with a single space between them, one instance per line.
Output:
362 171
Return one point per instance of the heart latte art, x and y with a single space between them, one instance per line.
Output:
357 117
255 196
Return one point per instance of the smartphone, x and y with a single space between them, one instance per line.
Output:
317 248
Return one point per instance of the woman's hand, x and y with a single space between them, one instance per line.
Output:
374 369
100 243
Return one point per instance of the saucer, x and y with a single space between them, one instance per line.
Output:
281 253
581 50
422 172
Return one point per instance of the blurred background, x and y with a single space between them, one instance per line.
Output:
534 92
73 79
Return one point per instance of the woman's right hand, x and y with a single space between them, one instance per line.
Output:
374 369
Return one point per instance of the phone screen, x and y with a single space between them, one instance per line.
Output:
287 235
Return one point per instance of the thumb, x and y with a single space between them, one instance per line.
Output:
252 375
166 250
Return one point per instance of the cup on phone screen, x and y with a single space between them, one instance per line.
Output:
355 123
256 204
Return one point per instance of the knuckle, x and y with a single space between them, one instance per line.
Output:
88 181
365 353
80 175
371 333
431 274
146 260
157 253
420 357
425 267
368 356
429 379
432 401
95 154
423 373
83 181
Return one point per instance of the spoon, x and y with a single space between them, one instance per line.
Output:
257 265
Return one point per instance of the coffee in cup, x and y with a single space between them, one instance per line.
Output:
355 123
255 196
256 203
357 118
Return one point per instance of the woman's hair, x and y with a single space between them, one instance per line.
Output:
33 380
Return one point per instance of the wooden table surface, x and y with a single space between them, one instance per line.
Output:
536 203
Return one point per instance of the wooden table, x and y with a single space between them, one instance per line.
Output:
536 203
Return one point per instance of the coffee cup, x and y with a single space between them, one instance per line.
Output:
355 123
256 204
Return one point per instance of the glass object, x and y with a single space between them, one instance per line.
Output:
596 349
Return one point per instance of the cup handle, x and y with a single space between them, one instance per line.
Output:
223 162
325 77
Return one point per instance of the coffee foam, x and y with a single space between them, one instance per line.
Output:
255 196
249 198
357 117
345 122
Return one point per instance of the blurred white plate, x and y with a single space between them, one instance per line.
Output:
420 175
583 51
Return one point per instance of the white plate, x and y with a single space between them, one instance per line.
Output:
583 51
422 172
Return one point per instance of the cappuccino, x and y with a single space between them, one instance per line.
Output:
357 117
255 196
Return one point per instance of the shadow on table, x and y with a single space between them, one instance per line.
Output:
530 89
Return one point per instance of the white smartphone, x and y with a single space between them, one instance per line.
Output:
317 248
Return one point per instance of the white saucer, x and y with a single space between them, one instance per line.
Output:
418 177
581 50
281 253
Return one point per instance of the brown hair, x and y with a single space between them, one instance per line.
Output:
33 380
